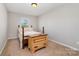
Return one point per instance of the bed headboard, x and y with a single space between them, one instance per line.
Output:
29 28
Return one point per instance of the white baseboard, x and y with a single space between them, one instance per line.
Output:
3 47
65 45
12 37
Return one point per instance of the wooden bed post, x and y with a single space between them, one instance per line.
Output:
23 37
18 26
31 26
43 29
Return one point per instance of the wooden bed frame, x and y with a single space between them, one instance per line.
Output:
34 42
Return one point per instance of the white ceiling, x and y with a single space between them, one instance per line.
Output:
26 8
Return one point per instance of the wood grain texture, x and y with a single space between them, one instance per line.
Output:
53 49
37 42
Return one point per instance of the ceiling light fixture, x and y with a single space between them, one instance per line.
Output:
34 5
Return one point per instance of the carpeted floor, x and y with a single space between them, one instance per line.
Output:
53 49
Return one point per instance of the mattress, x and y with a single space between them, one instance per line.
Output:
29 33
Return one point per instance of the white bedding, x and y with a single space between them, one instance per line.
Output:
28 33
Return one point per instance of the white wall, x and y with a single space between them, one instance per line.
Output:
62 24
14 20
3 27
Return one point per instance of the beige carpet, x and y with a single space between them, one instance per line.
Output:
53 49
